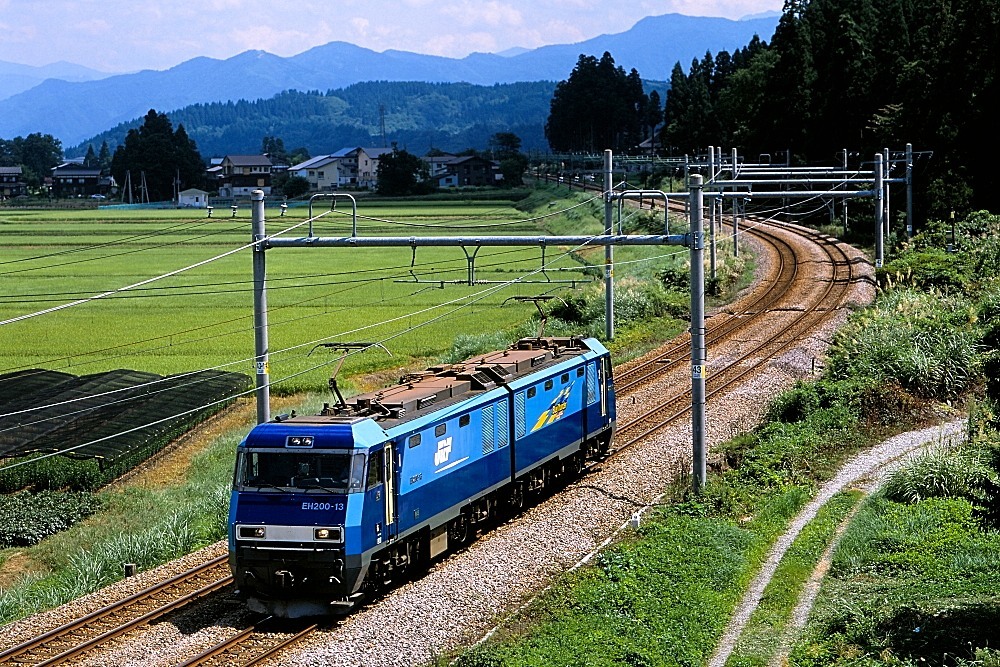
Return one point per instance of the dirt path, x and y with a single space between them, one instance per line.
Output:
866 471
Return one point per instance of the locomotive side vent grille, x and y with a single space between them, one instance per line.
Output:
488 433
503 424
591 383
519 425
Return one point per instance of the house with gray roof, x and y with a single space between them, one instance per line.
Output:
12 182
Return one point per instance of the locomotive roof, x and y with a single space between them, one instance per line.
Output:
418 393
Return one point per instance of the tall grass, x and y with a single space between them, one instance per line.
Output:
926 344
945 472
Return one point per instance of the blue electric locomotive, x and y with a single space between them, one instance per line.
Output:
327 509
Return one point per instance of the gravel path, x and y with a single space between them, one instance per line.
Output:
867 468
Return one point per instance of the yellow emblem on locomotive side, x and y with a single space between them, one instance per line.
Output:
555 410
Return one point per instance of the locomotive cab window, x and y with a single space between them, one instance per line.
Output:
531 392
376 469
548 385
278 470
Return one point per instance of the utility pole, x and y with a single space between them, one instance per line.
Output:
879 213
909 191
711 216
262 372
609 251
844 206
696 244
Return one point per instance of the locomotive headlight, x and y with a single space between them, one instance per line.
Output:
322 533
299 441
252 532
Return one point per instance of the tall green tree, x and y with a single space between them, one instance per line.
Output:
104 156
90 159
166 160
401 173
598 107
506 147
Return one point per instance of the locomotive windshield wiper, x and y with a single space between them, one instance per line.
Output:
309 486
264 486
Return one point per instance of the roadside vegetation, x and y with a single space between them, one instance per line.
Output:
914 578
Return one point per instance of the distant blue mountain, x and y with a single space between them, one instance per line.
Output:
15 78
74 111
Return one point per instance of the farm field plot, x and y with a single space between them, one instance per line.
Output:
202 317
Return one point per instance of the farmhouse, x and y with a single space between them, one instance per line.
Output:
358 166
11 182
469 170
322 172
239 175
71 179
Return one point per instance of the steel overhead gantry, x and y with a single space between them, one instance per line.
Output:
694 240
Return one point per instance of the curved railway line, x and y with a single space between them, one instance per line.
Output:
786 304
785 294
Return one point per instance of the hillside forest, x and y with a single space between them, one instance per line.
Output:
860 75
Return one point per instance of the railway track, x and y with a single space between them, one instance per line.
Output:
802 305
72 640
782 290
253 645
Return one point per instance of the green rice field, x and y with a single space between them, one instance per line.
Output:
200 315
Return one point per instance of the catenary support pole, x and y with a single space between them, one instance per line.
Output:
736 215
260 309
879 213
697 245
909 191
712 202
736 228
886 175
609 252
844 205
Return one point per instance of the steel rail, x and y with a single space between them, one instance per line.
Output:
87 623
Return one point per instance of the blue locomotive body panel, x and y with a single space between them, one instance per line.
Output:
449 458
318 500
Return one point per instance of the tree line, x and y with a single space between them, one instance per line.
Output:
416 115
36 154
861 74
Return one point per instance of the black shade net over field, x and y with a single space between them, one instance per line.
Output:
141 400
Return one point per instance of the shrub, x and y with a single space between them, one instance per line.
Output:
925 344
933 268
941 473
26 518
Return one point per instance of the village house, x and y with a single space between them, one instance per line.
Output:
192 198
239 175
322 172
12 182
71 179
449 171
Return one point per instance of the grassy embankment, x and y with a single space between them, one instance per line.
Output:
914 579
204 320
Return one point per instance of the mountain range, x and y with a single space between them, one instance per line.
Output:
73 110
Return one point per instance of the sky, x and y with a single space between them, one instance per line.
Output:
130 35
